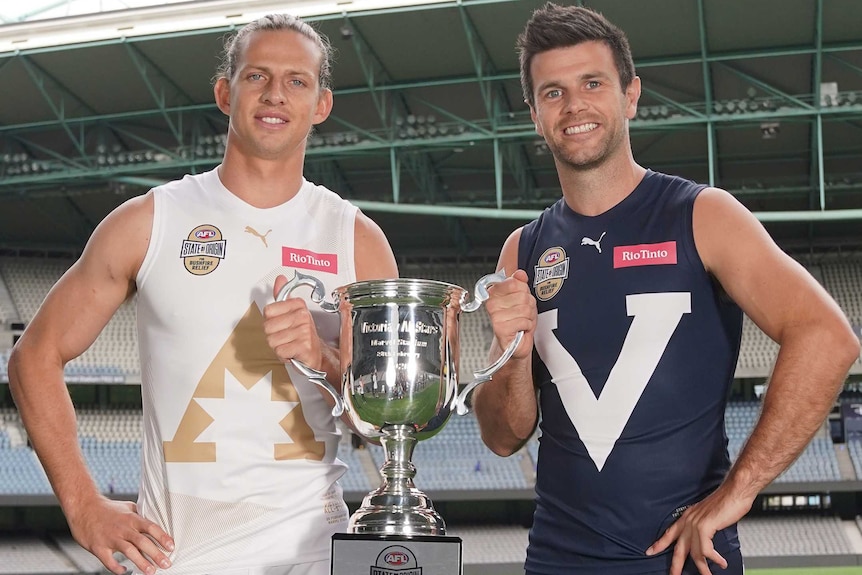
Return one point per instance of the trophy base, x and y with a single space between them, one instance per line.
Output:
395 555
402 513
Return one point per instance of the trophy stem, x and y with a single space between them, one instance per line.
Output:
397 507
398 471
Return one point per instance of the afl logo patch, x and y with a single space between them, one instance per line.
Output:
550 272
396 560
203 250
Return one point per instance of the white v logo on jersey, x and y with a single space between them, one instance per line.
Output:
600 422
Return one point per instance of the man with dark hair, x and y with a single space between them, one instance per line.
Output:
239 469
630 290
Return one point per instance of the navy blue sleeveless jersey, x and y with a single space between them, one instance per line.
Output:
635 351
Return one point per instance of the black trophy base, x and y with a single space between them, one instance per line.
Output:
354 553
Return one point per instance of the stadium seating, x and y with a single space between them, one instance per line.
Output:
817 463
842 278
4 365
8 311
33 556
454 460
492 544
794 535
112 358
757 352
854 447
29 279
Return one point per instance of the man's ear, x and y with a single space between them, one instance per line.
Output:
221 93
633 95
324 106
534 119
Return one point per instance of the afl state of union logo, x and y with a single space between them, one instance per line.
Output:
550 272
203 250
396 560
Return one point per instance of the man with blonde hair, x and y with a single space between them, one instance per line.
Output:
239 466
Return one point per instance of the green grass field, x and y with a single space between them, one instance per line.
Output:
807 571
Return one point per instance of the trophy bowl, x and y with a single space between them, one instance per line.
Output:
399 358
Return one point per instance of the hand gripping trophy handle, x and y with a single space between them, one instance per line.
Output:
480 295
317 294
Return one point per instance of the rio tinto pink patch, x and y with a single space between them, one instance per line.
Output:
660 254
305 259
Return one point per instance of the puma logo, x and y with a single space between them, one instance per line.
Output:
585 241
254 232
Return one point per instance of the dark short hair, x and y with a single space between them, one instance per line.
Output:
274 22
553 26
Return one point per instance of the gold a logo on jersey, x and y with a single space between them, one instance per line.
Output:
245 391
202 251
551 271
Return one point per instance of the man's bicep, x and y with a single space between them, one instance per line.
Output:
508 259
372 253
71 317
85 298
774 290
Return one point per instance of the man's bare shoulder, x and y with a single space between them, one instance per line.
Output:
130 211
514 239
120 241
508 260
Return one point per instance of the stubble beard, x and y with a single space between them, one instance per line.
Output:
584 160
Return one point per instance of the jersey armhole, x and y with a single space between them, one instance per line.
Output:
154 243
691 253
350 214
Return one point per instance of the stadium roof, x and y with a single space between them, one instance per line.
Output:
429 133
12 12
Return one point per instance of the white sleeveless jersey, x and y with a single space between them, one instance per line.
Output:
239 451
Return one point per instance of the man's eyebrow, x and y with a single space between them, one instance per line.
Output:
255 67
586 76
549 84
593 76
269 70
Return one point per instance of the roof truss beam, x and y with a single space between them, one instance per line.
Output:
46 84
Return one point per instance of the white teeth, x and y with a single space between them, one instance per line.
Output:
583 128
268 120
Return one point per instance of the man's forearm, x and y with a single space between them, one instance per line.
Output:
331 364
49 419
506 407
808 375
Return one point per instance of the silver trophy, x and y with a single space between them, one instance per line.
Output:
399 356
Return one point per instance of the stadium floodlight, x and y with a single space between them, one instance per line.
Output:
171 18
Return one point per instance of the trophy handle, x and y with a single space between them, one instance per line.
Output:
480 295
317 294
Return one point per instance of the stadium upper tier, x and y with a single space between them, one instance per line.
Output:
24 282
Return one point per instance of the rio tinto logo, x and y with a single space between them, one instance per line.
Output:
660 254
308 260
